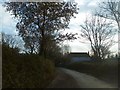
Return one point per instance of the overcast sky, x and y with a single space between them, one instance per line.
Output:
86 7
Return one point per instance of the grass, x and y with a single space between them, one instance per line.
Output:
106 70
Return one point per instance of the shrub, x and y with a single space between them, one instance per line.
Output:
26 71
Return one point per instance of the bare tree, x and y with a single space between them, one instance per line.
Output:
111 10
99 32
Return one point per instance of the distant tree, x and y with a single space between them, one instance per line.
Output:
37 20
105 51
119 54
108 56
112 56
66 49
100 34
116 55
10 40
10 47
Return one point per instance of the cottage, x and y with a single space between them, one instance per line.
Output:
79 56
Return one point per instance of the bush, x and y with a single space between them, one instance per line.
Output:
26 71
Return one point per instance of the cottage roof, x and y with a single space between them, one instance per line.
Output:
79 54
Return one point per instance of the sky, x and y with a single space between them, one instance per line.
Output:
86 7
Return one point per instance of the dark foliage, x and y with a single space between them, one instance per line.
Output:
25 71
41 22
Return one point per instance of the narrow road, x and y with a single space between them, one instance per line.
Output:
72 79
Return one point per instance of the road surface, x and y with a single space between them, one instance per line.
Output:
72 79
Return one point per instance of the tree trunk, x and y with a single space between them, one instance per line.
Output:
43 41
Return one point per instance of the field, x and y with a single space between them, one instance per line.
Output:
106 70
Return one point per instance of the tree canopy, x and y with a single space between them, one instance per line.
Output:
39 22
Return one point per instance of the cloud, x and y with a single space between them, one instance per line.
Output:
80 2
77 46
93 4
8 24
